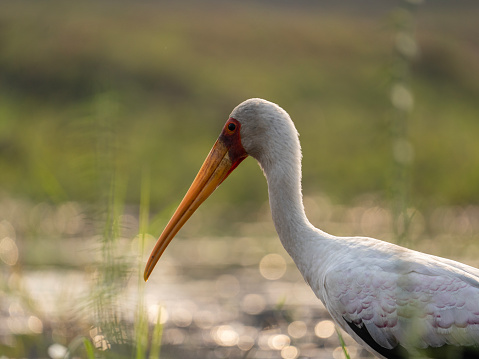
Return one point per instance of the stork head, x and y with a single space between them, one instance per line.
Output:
267 132
256 127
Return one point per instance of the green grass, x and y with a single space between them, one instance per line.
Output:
343 344
170 75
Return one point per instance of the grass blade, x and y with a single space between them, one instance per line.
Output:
90 351
156 338
343 344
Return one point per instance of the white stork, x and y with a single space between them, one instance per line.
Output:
394 301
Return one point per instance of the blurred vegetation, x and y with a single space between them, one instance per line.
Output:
107 110
153 83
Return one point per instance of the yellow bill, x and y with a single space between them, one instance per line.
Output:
223 158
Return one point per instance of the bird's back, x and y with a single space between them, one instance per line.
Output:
393 298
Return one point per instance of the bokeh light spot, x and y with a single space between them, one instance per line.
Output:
402 98
35 325
157 313
253 304
227 286
245 342
8 251
324 329
289 352
225 335
7 230
57 351
272 266
297 329
278 341
204 319
182 317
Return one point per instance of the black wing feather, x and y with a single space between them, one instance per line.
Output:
399 352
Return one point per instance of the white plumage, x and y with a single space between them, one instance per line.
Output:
392 300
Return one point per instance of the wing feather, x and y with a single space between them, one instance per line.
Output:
425 303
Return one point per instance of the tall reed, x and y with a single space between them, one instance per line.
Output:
402 100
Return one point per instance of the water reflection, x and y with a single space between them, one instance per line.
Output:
8 251
253 304
216 297
246 342
289 352
297 329
324 329
278 341
57 351
35 324
157 314
227 286
181 317
8 247
204 319
272 266
225 335
174 336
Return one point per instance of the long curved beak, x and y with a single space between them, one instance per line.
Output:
217 166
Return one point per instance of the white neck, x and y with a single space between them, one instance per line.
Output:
309 247
286 201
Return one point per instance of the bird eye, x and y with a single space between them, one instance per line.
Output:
231 126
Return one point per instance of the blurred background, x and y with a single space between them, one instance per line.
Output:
107 110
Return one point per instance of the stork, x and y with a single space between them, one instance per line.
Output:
395 302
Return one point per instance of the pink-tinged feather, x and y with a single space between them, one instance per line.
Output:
444 319
460 318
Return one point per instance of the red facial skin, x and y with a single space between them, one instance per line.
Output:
232 140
